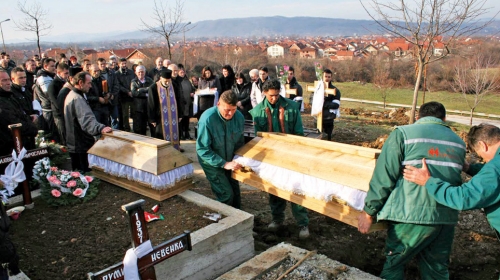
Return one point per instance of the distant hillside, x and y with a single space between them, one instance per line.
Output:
300 26
255 26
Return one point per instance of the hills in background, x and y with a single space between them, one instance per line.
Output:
255 27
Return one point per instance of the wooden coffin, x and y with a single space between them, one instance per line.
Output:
343 164
154 157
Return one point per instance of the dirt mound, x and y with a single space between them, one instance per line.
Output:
398 116
377 144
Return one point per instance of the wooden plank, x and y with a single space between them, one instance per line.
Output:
332 209
330 145
144 189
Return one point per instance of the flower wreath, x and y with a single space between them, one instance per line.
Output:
61 187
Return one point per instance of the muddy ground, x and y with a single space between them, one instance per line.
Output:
49 242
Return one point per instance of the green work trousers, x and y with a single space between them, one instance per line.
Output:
431 244
225 188
278 206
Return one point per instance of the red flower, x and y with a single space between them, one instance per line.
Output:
64 150
52 141
71 184
78 192
89 179
55 193
52 178
53 168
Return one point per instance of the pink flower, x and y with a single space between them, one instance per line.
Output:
56 182
55 193
89 179
78 192
75 174
71 184
52 178
53 168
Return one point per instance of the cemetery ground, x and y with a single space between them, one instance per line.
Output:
61 243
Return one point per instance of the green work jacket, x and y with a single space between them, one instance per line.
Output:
482 191
218 138
293 120
391 197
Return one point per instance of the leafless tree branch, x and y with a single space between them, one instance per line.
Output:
35 20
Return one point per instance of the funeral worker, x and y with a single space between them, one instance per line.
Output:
482 191
292 83
67 87
278 114
140 88
418 225
62 74
81 124
125 77
220 133
256 94
163 109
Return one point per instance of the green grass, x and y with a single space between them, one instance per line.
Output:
452 101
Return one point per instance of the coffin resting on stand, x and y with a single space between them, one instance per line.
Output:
327 177
145 165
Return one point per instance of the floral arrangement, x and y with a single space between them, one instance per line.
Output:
282 73
61 187
58 153
318 68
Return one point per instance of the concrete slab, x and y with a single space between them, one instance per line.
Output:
20 276
217 248
274 256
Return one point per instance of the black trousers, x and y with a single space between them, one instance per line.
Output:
80 161
184 127
140 122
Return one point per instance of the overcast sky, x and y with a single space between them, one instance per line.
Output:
101 16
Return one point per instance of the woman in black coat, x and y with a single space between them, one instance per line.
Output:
227 79
242 90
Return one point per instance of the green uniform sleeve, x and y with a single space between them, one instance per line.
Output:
475 168
299 128
482 191
386 174
241 140
204 147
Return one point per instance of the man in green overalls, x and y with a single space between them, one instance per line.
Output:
220 133
278 114
418 226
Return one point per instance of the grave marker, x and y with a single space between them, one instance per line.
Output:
140 235
34 154
328 91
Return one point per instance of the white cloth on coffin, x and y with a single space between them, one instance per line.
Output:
159 182
302 184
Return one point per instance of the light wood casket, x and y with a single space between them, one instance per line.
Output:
327 177
145 165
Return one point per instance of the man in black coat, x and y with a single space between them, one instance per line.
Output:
55 86
22 94
154 73
125 77
113 89
140 87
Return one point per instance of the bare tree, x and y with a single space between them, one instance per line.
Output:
424 23
475 77
380 79
167 21
35 21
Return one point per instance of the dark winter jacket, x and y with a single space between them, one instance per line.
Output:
140 93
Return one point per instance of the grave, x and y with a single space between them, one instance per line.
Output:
278 262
